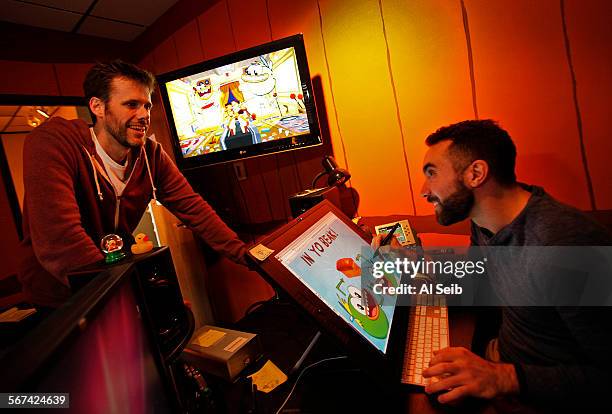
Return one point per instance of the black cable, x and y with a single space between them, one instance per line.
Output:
314 181
300 376
274 300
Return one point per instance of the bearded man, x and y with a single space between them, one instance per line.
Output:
545 358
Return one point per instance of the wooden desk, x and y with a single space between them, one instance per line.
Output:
285 333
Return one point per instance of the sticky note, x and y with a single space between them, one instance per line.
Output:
209 338
261 252
268 377
16 315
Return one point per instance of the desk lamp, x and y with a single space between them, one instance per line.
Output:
304 200
336 176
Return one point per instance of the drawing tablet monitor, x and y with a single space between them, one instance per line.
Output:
318 260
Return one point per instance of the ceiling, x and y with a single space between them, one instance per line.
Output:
112 19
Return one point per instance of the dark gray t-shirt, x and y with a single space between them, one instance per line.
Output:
561 353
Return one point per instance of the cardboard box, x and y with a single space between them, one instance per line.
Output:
222 352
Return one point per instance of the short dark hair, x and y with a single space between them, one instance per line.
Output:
480 140
99 78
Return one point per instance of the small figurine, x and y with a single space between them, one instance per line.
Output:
142 245
112 244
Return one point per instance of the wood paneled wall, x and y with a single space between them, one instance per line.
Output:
389 73
50 79
393 71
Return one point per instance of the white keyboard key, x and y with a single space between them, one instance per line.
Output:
427 333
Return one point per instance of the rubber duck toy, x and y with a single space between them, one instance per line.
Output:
142 245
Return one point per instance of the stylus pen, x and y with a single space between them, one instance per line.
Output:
387 239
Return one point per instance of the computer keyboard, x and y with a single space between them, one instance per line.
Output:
428 331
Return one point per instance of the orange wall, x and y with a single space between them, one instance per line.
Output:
393 71
524 80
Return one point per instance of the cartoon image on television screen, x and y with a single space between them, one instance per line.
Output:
240 104
328 259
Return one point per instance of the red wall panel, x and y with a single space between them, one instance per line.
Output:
27 78
71 76
188 45
250 22
523 81
216 31
148 63
166 56
590 35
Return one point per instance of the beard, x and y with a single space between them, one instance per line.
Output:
456 207
120 132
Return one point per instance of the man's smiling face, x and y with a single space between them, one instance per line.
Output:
127 113
444 187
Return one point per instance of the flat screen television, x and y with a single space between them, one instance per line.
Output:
253 102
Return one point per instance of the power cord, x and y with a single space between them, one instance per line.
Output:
300 376
274 300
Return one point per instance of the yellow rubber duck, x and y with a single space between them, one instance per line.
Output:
142 245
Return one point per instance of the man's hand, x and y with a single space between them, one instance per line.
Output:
465 374
378 238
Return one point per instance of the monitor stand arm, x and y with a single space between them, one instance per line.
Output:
305 354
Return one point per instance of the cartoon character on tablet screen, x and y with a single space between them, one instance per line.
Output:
366 312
